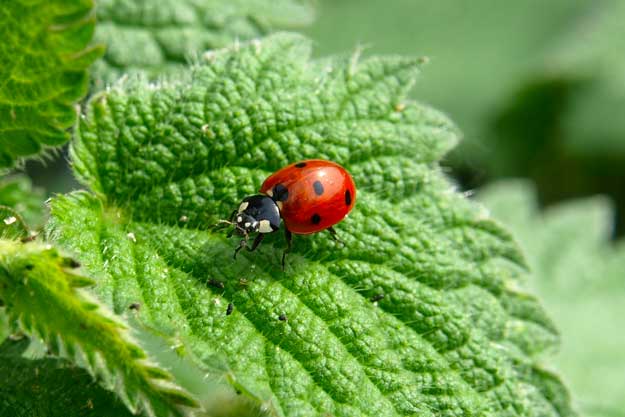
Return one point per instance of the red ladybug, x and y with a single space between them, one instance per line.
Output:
310 196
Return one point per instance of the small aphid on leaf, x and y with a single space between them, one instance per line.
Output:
215 283
282 317
310 196
229 309
32 236
71 262
376 297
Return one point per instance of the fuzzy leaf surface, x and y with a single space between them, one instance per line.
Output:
43 73
50 387
453 335
579 274
156 37
40 291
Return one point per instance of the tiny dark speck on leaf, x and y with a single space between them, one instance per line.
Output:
215 283
73 263
282 317
229 309
134 306
29 238
29 267
377 297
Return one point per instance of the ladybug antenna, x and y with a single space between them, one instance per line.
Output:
238 228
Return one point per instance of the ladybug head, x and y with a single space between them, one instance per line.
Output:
258 213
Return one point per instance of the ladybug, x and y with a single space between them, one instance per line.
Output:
310 196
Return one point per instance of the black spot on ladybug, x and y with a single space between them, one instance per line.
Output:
300 164
280 193
229 309
348 198
318 186
315 219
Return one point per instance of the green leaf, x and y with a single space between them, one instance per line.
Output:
453 335
12 225
156 37
579 274
18 193
44 57
41 294
5 330
50 387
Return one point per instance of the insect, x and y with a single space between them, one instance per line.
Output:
309 196
215 283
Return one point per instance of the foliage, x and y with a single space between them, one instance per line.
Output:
44 57
48 387
42 298
156 37
453 333
18 193
579 274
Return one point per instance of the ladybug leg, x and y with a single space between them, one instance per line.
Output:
257 241
289 238
335 236
243 244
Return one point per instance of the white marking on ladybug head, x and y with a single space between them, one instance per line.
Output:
239 219
243 206
265 227
248 224
269 192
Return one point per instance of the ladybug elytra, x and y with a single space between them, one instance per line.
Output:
310 196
